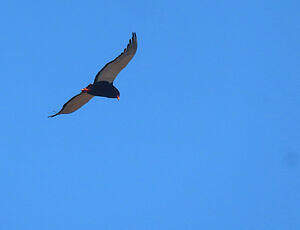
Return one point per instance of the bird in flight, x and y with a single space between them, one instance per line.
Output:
103 83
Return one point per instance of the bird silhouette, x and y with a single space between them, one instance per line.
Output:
103 83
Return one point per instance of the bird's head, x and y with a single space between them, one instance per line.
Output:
117 94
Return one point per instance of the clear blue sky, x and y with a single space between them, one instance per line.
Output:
205 135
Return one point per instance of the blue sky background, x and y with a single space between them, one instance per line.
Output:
205 136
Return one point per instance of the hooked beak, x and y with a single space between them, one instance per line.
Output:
118 97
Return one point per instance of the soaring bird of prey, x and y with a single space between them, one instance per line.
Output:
103 83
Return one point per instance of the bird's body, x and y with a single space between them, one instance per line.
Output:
102 89
103 83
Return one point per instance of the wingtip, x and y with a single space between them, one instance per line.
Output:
53 115
134 38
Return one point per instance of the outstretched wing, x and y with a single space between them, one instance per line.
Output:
110 71
74 103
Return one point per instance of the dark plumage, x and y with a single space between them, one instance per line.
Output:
103 83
